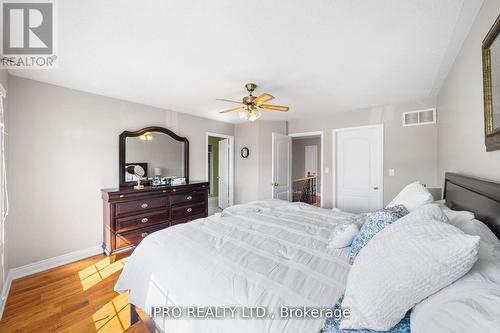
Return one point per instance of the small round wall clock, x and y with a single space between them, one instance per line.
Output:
245 152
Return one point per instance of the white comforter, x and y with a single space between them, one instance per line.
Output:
268 253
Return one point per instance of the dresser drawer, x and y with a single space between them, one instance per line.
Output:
133 238
137 206
188 197
140 221
187 211
187 219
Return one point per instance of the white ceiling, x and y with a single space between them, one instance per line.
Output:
318 56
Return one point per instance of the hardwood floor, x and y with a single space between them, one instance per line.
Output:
77 297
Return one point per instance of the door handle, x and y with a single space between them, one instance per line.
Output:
375 188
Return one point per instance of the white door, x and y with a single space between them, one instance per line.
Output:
359 168
311 157
223 173
282 167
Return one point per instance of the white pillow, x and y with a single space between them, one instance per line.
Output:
406 262
476 227
470 304
412 196
456 217
466 222
430 211
342 235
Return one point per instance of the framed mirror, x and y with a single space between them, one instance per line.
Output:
152 151
491 87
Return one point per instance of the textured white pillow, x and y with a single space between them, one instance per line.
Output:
412 196
406 262
470 304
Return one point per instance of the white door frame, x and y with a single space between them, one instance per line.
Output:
334 160
321 134
231 161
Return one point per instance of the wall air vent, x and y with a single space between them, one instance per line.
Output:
420 117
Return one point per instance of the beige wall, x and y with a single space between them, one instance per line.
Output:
4 78
411 151
253 174
246 170
460 103
62 149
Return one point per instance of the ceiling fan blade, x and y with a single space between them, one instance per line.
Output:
275 107
233 109
228 100
262 99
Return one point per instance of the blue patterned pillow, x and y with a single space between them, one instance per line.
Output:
332 325
375 222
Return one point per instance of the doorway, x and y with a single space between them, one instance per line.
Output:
307 177
297 167
358 157
219 171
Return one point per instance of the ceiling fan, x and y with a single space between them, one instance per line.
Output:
250 105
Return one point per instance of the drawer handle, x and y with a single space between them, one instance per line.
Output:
189 210
144 205
144 220
121 195
189 197
174 190
144 234
164 191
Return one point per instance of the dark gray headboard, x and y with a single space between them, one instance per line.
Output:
480 196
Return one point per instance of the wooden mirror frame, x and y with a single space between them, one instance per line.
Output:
492 138
127 134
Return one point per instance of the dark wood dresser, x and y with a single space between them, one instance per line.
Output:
130 215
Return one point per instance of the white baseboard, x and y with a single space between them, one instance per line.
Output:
19 272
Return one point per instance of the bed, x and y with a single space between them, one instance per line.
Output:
242 257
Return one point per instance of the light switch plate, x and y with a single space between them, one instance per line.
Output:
392 172
327 170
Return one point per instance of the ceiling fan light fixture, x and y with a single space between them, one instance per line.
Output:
249 107
254 115
243 113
